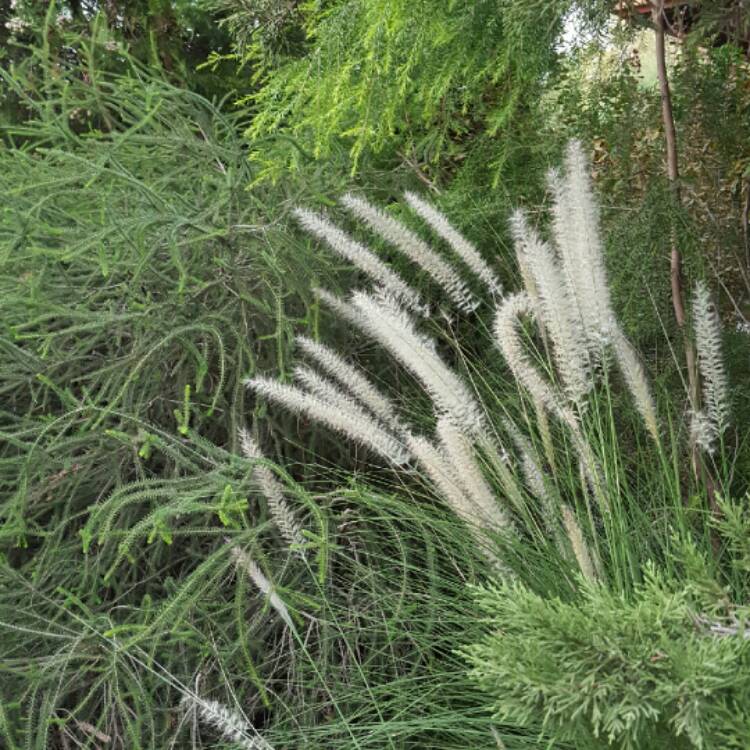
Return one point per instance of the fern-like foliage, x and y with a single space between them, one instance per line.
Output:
381 74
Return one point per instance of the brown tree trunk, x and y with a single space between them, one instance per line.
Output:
673 175
675 263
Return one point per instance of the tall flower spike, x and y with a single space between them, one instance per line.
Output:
708 343
354 423
326 390
558 313
635 378
361 257
341 307
460 245
273 491
351 377
532 472
395 330
415 249
703 431
508 339
264 585
459 450
441 472
578 544
576 232
231 725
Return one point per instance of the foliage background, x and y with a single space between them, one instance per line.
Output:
151 152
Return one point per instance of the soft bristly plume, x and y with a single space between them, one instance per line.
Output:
351 378
558 313
532 471
460 245
441 472
326 390
255 574
354 422
635 377
703 431
345 310
578 543
708 343
576 231
360 256
415 249
461 454
395 330
508 338
273 491
230 724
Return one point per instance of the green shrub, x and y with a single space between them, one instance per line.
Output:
604 670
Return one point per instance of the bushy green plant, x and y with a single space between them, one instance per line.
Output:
605 670
440 83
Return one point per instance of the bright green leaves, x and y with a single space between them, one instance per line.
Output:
231 508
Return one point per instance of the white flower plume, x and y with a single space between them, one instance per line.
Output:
327 391
273 491
576 231
250 567
360 256
230 724
441 472
460 452
578 543
395 330
351 378
708 343
342 308
703 431
354 422
415 249
558 313
635 377
459 244
508 339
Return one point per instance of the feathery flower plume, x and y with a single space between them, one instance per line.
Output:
361 257
351 378
229 723
273 491
395 330
508 339
534 478
264 585
415 249
576 231
635 378
532 472
341 307
326 390
527 277
354 423
441 472
708 343
703 431
557 310
460 245
459 450
578 543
